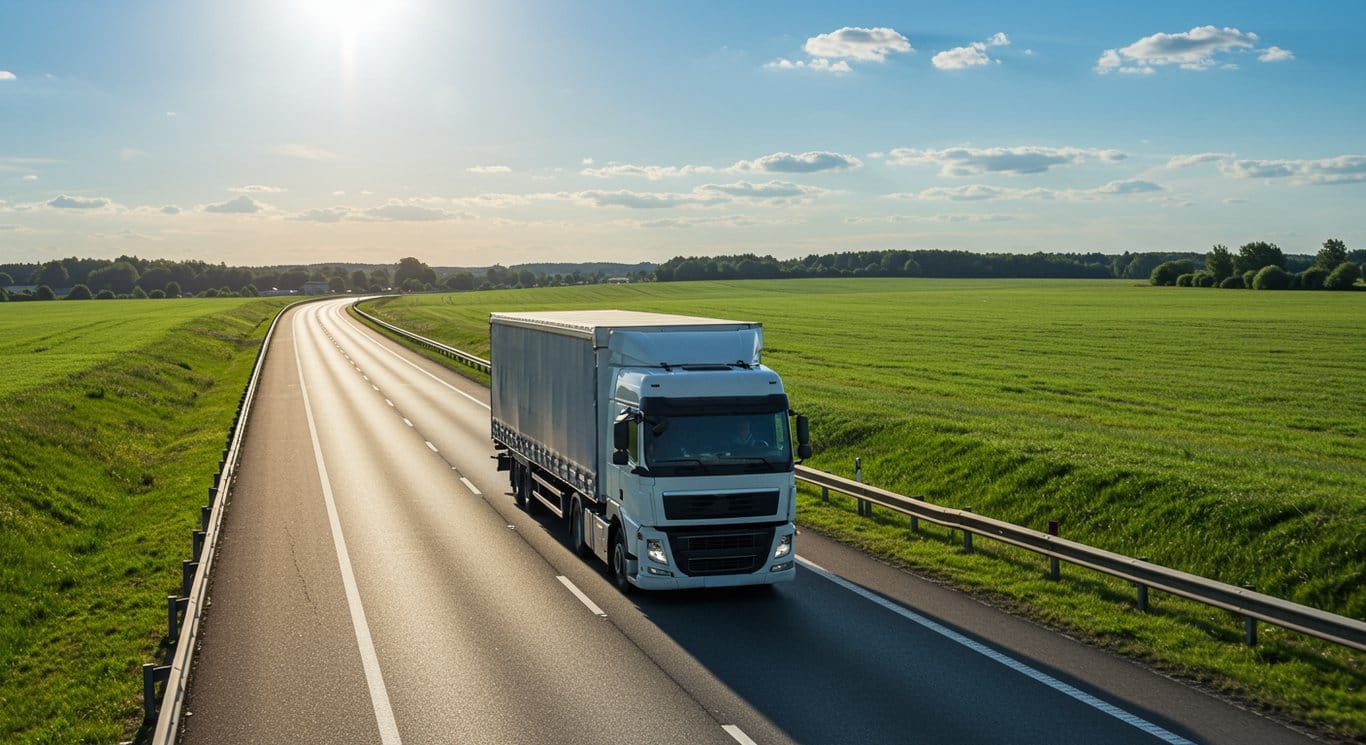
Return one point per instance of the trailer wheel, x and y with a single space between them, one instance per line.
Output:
576 541
619 563
529 502
517 475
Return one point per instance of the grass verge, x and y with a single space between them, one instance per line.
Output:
102 471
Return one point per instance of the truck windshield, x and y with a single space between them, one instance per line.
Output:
718 443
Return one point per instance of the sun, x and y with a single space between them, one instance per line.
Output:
350 18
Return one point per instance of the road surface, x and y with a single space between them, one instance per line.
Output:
376 583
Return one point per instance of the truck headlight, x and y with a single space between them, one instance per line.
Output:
784 547
654 548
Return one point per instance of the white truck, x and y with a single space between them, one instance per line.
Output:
662 439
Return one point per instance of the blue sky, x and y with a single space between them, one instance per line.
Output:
465 133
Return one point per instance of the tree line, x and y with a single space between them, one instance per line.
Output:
1263 266
134 277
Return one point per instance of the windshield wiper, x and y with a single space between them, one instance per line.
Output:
774 465
699 463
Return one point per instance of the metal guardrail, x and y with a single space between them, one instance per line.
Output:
1250 604
195 572
477 363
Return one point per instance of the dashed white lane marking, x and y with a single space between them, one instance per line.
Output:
367 378
995 656
433 447
400 358
387 401
738 734
593 607
379 696
471 487
405 421
375 387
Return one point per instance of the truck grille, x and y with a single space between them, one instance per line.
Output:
709 506
740 550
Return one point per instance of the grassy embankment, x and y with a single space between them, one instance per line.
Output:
114 415
1220 433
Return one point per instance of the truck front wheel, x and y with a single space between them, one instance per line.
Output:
619 564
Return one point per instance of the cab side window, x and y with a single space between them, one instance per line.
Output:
633 448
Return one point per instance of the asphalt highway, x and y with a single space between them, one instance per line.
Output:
376 583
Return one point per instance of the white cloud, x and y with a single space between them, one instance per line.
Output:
171 114
769 190
949 218
31 177
808 162
1275 54
256 189
129 154
831 52
1343 169
1014 161
492 201
170 209
653 173
984 193
7 75
973 55
395 210
1186 161
243 205
488 169
65 202
304 152
729 221
865 44
1195 50
586 162
324 215
823 65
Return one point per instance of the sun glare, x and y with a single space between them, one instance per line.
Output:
350 18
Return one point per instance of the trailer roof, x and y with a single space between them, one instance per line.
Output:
588 321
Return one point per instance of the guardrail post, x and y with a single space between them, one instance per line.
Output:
915 521
150 675
204 513
196 544
967 535
213 490
864 508
187 570
1053 560
1249 625
172 618
825 494
1142 599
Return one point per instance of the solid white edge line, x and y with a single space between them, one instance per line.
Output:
738 734
374 679
471 487
995 656
430 445
582 597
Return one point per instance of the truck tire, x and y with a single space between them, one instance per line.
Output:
531 504
618 564
517 477
576 541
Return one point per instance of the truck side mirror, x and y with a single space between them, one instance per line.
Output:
619 458
621 436
803 437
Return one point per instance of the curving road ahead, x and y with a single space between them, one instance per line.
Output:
375 583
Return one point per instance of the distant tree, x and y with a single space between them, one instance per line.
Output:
172 289
1166 273
460 282
1253 256
52 274
45 293
119 276
211 292
379 279
1333 253
359 281
4 295
1203 279
139 293
155 278
5 280
526 278
105 295
1232 283
336 284
1271 277
156 294
1219 262
412 284
1343 276
79 292
292 280
1312 278
411 268
249 291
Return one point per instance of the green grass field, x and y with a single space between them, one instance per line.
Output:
112 418
1220 433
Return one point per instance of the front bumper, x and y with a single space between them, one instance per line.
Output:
771 572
